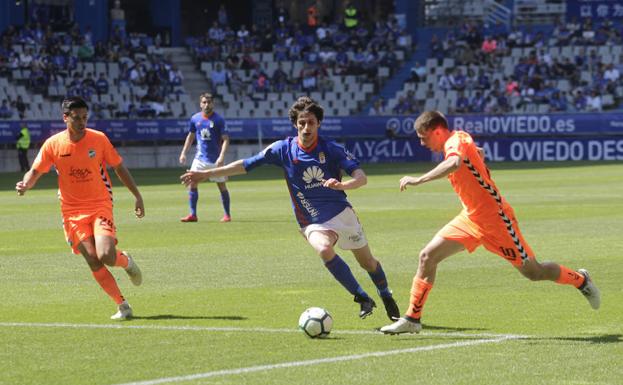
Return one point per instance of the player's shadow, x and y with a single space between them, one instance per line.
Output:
599 339
450 328
175 316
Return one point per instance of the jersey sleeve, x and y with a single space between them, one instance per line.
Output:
111 156
44 159
191 125
222 127
455 145
270 155
344 158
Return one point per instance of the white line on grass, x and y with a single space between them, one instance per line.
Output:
231 329
330 360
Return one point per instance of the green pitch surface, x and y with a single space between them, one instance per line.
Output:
220 302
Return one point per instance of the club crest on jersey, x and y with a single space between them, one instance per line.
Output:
312 174
91 153
322 158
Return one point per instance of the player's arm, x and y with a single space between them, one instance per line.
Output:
190 138
224 146
127 180
358 179
446 167
28 182
233 168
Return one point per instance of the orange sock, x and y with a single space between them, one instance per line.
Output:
121 260
569 277
419 293
108 283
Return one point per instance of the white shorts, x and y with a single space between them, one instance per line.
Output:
347 227
199 165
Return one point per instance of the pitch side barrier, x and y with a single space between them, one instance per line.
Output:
530 137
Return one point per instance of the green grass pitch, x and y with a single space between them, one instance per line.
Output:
220 302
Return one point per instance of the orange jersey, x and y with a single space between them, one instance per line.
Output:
472 181
84 183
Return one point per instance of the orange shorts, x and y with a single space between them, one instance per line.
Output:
498 235
79 227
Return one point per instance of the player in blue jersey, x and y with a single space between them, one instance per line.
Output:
313 171
210 131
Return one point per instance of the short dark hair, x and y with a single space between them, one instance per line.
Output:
72 103
305 104
206 95
429 120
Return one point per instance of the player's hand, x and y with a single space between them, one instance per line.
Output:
139 208
21 188
333 184
406 181
193 177
183 159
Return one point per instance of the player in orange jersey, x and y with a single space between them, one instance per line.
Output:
80 156
486 219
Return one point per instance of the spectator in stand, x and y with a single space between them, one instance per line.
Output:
280 79
418 72
351 16
557 103
308 76
378 108
593 102
261 84
223 18
243 34
236 86
458 81
611 74
325 84
477 104
579 101
218 77
216 33
5 110
444 83
488 49
402 106
462 103
20 106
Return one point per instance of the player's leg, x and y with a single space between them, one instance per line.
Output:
110 256
510 244
222 187
103 277
367 261
322 241
105 234
193 193
456 236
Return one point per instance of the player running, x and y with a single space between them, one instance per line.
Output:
312 167
212 142
487 219
80 156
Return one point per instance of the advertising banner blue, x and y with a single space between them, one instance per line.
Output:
595 9
530 149
549 125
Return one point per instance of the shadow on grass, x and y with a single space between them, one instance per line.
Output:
174 316
599 339
428 327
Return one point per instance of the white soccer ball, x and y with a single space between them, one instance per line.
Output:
316 322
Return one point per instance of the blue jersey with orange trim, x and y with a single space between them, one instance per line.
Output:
208 132
305 171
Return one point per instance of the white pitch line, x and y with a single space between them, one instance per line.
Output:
232 329
261 368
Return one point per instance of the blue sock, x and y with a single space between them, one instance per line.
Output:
342 273
225 200
378 277
193 197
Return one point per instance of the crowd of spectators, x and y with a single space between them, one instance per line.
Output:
496 69
43 60
349 47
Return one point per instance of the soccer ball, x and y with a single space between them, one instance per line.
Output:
316 322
